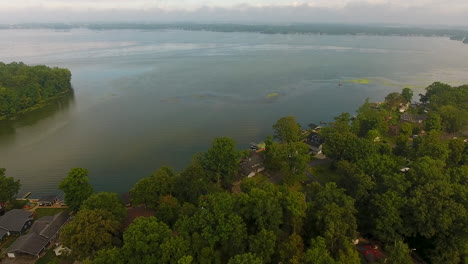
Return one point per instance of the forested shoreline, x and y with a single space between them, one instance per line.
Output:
395 178
306 28
24 87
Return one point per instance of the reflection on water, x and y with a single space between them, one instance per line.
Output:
60 105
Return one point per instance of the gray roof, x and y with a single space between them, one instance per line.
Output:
48 198
14 220
40 224
31 243
54 226
40 234
252 163
3 232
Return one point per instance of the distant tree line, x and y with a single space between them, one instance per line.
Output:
328 29
23 86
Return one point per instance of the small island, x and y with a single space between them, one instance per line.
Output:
24 88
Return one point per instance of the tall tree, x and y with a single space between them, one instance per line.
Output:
263 244
287 129
76 188
407 94
90 231
106 201
247 258
151 189
143 240
9 188
318 252
331 214
222 160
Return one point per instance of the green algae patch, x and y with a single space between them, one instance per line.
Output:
359 81
272 95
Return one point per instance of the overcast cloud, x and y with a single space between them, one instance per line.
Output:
443 12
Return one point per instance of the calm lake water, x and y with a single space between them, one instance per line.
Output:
144 99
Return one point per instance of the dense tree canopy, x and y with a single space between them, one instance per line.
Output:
90 231
287 129
385 177
23 86
221 161
106 201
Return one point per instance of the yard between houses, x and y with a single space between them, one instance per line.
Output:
40 212
324 173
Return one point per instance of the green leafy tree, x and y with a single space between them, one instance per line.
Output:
386 215
456 149
222 160
295 208
406 129
108 256
263 244
356 183
174 249
192 182
9 188
331 214
90 231
246 258
185 260
168 210
407 94
431 146
318 252
289 158
76 188
143 240
261 208
433 122
453 119
292 250
106 201
151 189
219 225
287 129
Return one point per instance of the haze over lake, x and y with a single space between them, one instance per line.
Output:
144 99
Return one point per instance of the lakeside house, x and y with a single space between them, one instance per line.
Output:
43 232
315 143
15 221
411 118
48 200
252 165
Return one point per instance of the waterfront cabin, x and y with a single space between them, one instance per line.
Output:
16 221
415 119
43 232
315 143
252 165
48 200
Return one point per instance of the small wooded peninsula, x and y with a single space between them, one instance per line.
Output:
24 87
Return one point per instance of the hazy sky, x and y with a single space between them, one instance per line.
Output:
281 11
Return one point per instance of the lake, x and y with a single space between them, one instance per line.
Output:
143 99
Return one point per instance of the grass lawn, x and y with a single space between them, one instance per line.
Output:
324 174
40 212
49 257
10 240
